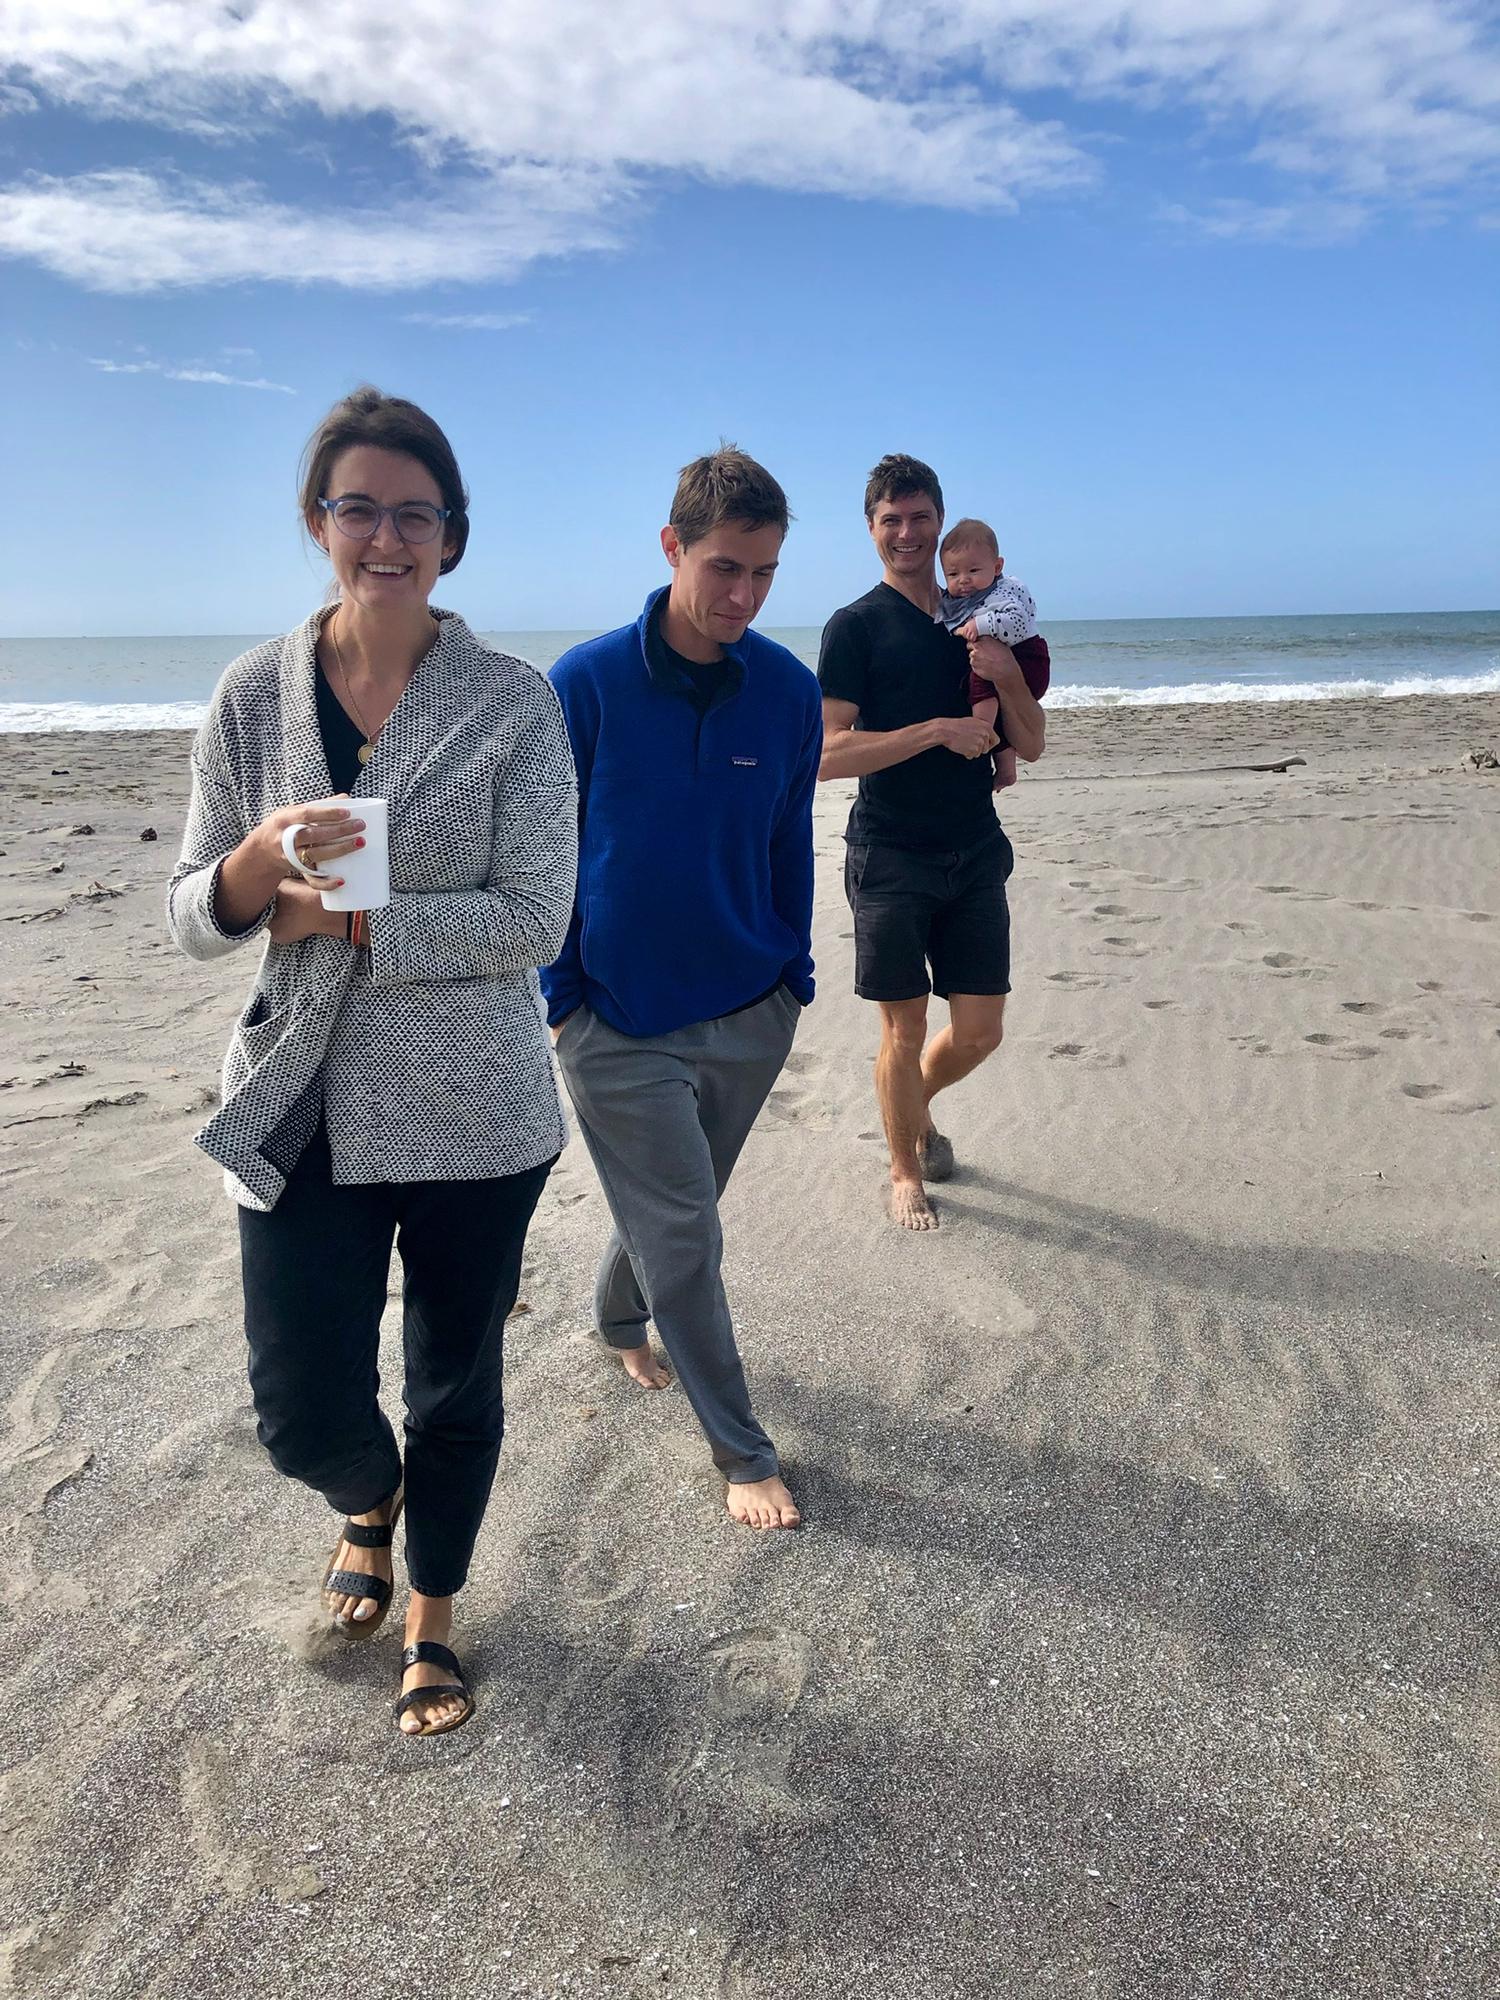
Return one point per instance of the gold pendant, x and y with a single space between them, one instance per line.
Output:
366 752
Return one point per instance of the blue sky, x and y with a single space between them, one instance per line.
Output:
1193 299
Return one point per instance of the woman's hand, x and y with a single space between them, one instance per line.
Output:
300 914
332 831
257 868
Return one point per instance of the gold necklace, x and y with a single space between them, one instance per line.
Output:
367 748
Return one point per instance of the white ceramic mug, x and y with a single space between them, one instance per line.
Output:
366 872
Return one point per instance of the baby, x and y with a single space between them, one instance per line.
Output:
982 602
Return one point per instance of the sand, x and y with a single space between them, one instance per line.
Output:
1141 1642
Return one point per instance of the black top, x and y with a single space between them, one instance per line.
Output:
899 666
701 682
342 738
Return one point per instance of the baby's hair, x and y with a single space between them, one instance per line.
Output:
969 534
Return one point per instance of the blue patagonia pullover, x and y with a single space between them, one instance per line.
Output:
695 860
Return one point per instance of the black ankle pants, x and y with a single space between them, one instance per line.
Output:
316 1269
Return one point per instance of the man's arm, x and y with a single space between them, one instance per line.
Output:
792 862
1020 711
562 981
853 753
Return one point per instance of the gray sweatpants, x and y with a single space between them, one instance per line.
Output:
664 1118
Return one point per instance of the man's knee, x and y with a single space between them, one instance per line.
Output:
977 1030
903 1026
978 1043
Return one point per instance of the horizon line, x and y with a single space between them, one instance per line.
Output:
548 631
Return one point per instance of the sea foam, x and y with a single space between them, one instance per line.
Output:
21 717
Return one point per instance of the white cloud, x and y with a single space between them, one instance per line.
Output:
1306 222
468 322
16 102
188 372
537 122
701 87
129 231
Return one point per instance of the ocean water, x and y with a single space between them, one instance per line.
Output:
1127 662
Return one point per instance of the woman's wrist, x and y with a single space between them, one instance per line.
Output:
246 885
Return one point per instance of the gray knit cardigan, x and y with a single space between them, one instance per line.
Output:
427 1055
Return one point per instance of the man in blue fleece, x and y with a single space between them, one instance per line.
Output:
689 960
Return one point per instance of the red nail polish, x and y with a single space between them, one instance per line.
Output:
360 841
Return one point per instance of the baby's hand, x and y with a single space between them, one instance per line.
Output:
966 631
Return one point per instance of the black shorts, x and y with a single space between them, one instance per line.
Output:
944 908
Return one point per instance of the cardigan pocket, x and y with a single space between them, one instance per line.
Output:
256 1033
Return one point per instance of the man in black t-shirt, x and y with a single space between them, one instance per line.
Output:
927 860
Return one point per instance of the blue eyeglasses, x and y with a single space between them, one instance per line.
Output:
359 518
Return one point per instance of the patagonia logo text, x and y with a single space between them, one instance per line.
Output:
747 762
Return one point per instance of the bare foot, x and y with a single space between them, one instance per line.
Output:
642 1366
361 1562
910 1208
428 1618
763 1503
935 1156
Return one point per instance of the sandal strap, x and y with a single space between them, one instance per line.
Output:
433 1694
358 1536
349 1583
427 1652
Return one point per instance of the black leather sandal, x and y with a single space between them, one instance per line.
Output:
353 1583
429 1652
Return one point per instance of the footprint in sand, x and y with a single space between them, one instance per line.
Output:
1397 1034
1361 1006
791 1107
1157 1005
1337 1046
793 1103
1437 1097
756 1678
1076 980
1090 1058
1286 965
595 1578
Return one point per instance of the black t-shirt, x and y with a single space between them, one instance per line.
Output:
704 680
341 738
899 666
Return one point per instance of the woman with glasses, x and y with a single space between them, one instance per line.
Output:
389 1080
